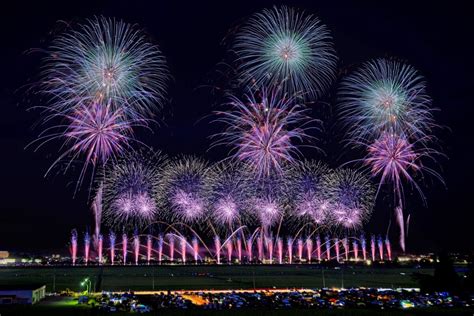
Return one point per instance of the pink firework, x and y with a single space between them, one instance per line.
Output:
186 182
92 131
269 212
264 130
98 132
190 205
352 195
392 157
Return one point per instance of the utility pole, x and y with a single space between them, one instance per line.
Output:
153 277
324 279
342 278
54 280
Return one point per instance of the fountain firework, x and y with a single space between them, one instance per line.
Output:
345 244
87 246
318 247
309 248
73 248
389 249
372 247
112 239
195 249
100 247
280 250
149 248
364 247
300 249
136 247
124 248
289 245
160 248
380 245
171 247
182 242
249 250
328 247
217 245
336 246
230 249
239 249
355 247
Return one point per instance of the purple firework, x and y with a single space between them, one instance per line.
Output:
269 211
353 197
187 190
132 191
264 130
93 132
230 194
308 186
392 158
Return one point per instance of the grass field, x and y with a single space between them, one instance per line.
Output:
211 277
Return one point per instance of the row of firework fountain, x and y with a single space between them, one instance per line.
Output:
259 248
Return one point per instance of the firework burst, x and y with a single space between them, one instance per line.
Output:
385 96
108 61
289 48
132 189
309 190
353 196
230 194
187 188
264 131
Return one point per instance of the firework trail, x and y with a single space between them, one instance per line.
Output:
108 61
286 47
353 197
264 130
401 225
132 189
186 182
97 210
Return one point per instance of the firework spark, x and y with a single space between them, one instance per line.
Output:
286 47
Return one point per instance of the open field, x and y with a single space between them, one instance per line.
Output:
211 277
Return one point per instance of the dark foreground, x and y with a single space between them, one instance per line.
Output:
48 308
134 278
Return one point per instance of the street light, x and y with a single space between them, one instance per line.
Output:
87 283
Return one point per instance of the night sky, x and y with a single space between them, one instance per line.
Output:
38 212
